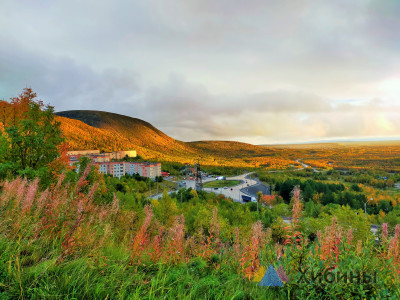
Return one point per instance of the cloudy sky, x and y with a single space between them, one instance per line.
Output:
258 71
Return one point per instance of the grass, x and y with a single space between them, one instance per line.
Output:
221 183
59 244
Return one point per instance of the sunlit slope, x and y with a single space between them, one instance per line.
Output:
108 131
132 130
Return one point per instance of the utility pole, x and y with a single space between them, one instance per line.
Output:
365 209
198 178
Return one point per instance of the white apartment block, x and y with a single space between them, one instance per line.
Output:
118 169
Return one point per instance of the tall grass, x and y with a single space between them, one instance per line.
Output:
59 243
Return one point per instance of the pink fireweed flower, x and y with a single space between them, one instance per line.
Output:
297 207
384 231
142 235
30 195
349 236
21 190
177 243
236 245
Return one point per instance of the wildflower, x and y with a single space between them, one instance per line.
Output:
236 245
250 260
349 236
30 195
142 235
177 234
21 190
384 232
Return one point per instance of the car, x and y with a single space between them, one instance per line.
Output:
225 187
215 188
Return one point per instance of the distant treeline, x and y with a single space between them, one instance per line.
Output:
327 193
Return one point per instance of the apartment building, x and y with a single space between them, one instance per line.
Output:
118 169
114 168
122 154
98 157
103 157
83 152
145 169
151 170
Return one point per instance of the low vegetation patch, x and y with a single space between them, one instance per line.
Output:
221 183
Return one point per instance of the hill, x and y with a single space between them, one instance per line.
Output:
87 129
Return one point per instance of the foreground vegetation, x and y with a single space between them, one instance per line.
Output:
61 241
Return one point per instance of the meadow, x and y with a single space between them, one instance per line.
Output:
221 183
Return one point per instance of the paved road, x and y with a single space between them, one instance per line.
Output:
305 166
247 186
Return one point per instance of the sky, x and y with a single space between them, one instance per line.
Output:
256 71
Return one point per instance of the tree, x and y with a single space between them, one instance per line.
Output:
30 135
259 198
390 183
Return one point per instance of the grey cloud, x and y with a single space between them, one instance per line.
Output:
248 70
62 81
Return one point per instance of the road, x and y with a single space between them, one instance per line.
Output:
247 186
305 166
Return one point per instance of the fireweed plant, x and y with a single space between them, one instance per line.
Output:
61 242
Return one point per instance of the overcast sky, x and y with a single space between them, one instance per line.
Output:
257 71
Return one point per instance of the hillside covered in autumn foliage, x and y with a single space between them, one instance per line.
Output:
110 132
84 129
